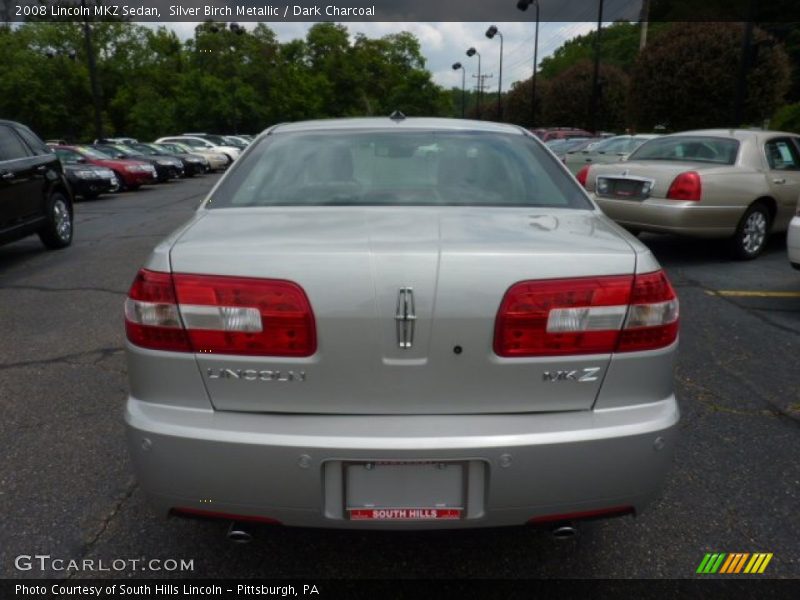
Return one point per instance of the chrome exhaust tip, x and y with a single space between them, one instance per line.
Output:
239 533
564 531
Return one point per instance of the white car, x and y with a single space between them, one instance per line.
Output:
200 143
793 239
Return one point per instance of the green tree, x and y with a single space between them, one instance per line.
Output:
688 79
787 118
566 101
224 79
619 46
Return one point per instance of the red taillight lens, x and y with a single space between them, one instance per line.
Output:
652 320
222 315
583 175
238 315
686 186
591 315
562 316
151 313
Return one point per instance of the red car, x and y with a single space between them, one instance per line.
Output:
131 173
560 133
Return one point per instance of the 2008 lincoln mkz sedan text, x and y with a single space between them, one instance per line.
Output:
401 324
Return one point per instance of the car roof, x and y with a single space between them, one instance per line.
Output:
407 123
738 134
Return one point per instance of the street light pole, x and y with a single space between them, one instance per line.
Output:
491 33
593 104
744 66
93 82
472 52
523 5
456 67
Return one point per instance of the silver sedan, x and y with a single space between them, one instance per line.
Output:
400 324
611 150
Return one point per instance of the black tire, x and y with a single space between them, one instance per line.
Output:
121 185
57 232
752 232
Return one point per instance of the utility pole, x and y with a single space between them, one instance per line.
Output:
480 84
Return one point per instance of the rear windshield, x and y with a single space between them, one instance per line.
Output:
687 148
93 152
621 144
390 168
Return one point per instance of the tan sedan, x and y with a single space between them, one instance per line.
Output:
716 183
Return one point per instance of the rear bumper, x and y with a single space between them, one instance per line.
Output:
286 467
89 187
670 216
138 177
793 242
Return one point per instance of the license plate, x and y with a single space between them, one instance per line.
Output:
404 491
624 189
405 514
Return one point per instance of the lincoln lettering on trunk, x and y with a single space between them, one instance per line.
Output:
255 374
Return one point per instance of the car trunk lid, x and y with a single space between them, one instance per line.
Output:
405 302
641 180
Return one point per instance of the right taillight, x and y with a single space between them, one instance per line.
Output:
686 186
583 175
652 320
219 315
588 315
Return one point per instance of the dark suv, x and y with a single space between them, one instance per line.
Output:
34 194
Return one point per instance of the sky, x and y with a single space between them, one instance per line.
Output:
446 43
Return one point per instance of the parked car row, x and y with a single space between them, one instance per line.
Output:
39 181
133 163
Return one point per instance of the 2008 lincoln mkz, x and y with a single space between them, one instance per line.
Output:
400 323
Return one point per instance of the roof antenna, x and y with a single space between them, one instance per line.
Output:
397 116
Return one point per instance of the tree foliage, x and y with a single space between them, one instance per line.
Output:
688 78
568 97
224 78
619 45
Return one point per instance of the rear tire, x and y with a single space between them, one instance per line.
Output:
752 232
57 232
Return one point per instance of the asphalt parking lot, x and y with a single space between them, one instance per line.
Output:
67 491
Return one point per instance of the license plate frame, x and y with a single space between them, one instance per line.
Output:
612 181
452 488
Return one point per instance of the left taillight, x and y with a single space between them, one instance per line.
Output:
152 319
219 315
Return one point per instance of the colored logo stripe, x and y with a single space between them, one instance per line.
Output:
711 562
734 563
758 563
